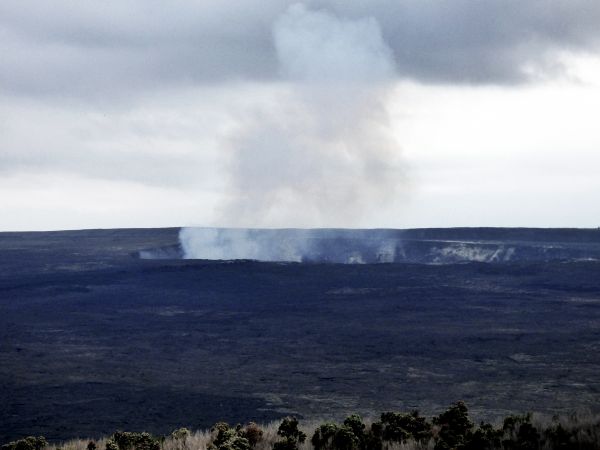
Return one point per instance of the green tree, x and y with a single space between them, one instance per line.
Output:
322 438
399 427
291 435
454 427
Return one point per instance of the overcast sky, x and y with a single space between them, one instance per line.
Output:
381 113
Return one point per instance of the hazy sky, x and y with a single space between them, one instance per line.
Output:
381 113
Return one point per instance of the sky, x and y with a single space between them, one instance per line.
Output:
324 113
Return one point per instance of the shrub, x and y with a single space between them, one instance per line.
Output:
561 438
322 438
227 438
345 439
330 436
291 435
454 427
180 434
398 427
355 423
486 437
520 433
373 437
28 443
125 440
351 435
253 433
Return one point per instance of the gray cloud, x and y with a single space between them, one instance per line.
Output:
98 49
159 142
94 49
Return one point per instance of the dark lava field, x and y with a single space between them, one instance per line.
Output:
96 338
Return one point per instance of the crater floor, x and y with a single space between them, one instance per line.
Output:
93 338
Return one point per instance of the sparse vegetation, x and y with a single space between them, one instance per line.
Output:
28 443
452 429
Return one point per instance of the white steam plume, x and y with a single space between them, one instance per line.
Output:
224 243
325 154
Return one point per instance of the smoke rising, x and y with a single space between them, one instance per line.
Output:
316 46
324 154
290 245
224 244
355 246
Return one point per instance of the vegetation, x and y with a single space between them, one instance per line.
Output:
452 429
123 440
291 436
28 443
